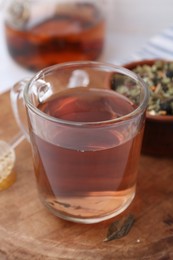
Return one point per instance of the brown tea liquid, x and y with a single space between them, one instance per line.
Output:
70 33
94 172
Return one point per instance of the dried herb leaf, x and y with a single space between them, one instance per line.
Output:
120 228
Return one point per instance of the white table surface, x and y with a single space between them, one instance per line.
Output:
131 23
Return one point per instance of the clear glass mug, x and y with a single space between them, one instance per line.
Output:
85 137
40 33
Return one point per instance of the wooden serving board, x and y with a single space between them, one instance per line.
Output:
29 231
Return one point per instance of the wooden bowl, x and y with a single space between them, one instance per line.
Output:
158 133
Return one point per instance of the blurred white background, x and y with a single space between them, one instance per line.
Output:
130 24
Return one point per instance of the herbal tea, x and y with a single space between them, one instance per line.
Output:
87 172
55 34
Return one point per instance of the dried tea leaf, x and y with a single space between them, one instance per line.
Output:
120 228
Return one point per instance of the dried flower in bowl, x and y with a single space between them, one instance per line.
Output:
159 78
158 75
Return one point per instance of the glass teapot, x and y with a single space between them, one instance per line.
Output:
40 33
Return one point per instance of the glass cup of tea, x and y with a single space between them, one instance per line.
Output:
85 137
41 33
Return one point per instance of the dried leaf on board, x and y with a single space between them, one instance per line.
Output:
120 228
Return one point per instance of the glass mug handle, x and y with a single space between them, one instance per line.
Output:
18 106
43 90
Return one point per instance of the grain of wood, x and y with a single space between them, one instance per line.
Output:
29 231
